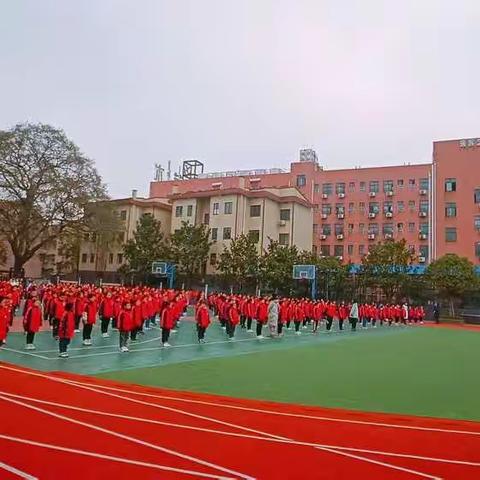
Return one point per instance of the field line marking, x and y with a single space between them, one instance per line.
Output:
241 435
128 438
109 457
17 472
283 414
21 352
394 467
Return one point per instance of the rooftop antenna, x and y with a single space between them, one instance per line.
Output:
159 172
169 170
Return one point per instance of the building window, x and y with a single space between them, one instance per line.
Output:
373 207
340 209
110 258
285 214
476 222
284 239
123 215
254 235
400 183
411 183
86 237
423 206
450 234
351 187
361 207
213 259
326 209
350 249
84 258
411 249
388 207
227 233
400 206
388 185
476 195
411 227
374 186
315 228
92 258
400 227
411 205
361 250
301 180
339 229
325 250
351 208
338 250
327 188
350 228
477 249
189 210
206 218
119 258
450 185
94 237
361 228
178 211
214 234
316 188
424 184
450 209
255 210
373 228
362 186
340 187
326 229
423 228
423 251
314 249
227 208
216 208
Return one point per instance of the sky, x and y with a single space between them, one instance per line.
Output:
242 84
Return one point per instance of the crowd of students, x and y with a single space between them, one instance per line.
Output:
133 310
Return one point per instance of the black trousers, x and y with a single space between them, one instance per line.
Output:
353 323
55 323
329 323
165 334
30 337
242 321
249 323
279 328
123 338
201 332
63 343
315 325
104 324
259 328
288 323
297 325
87 331
340 323
133 333
230 329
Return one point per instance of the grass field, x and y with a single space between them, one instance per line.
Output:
425 371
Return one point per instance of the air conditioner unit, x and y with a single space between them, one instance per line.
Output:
372 215
341 195
340 236
372 194
388 236
390 193
422 214
282 223
422 192
422 236
422 259
371 236
340 257
323 237
389 214
324 216
340 215
325 195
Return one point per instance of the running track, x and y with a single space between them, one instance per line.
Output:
55 425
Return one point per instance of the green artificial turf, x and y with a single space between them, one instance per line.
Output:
426 371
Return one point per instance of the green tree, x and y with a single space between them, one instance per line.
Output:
453 277
276 267
386 266
146 246
240 262
45 184
188 248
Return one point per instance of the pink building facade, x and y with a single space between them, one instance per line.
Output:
435 207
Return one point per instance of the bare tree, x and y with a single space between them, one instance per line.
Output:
45 184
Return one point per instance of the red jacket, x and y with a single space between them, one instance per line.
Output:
80 305
66 326
203 316
58 309
106 308
126 322
262 312
4 322
233 316
91 312
33 319
168 320
137 315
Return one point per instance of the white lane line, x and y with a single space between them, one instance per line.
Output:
241 435
17 472
394 467
128 438
21 352
281 414
109 457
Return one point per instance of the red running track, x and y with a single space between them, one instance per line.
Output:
69 426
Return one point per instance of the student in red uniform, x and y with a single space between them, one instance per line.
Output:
342 315
262 317
125 325
66 329
58 311
299 317
80 305
137 320
90 317
233 320
106 314
202 317
31 323
167 322
4 320
331 314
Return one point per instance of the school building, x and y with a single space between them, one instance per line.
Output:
435 206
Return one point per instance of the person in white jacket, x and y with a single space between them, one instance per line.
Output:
354 315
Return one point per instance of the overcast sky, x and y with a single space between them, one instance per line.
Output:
242 84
